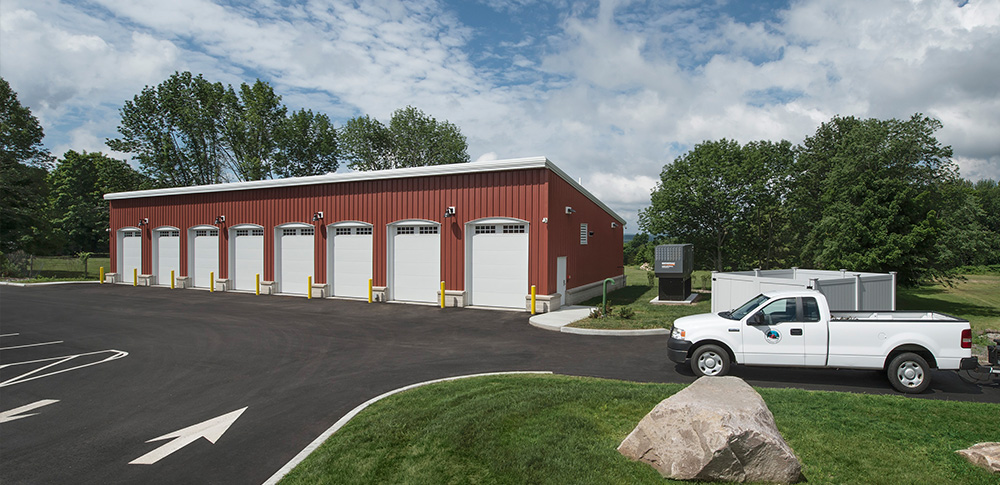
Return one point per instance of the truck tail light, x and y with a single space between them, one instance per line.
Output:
967 338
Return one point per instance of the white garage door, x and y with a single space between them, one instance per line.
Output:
296 258
248 256
206 257
499 265
131 255
416 263
352 261
168 249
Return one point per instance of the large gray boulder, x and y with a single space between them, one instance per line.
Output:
986 455
716 429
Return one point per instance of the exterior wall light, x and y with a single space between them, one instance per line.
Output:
317 216
450 211
143 221
570 210
220 220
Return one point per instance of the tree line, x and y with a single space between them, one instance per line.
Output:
189 131
860 194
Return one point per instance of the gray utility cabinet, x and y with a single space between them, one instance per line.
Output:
845 290
673 264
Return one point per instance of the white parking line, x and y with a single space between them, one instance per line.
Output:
115 355
10 335
31 345
354 412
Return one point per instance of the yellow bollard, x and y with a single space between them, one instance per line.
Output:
135 276
171 279
442 294
211 281
258 284
309 288
102 275
532 299
369 290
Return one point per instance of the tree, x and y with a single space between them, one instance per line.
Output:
252 119
725 199
412 139
307 145
175 131
869 196
80 215
23 164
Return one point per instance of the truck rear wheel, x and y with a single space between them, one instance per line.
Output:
909 373
710 360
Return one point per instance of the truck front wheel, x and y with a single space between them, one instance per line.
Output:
909 373
710 360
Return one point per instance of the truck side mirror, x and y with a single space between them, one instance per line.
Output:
756 319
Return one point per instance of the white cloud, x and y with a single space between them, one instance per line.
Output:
610 93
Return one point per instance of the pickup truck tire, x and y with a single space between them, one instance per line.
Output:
909 373
710 360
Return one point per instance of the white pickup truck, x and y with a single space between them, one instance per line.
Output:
797 329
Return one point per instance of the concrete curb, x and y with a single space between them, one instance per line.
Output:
45 283
559 320
354 412
616 333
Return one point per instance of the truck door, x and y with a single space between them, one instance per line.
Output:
815 333
773 335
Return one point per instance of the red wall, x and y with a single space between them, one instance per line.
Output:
521 194
602 256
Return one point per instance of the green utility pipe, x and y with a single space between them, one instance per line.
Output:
606 281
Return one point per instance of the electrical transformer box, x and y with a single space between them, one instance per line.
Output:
673 264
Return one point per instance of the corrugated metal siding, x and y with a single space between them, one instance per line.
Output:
520 194
602 256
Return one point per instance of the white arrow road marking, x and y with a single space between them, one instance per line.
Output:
114 355
17 413
211 430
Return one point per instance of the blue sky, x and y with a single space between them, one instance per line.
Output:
610 91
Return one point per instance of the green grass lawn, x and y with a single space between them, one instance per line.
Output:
637 294
976 299
559 430
58 268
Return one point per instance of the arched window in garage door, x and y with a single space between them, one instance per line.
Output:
129 253
203 255
166 253
349 258
294 253
246 255
496 262
414 260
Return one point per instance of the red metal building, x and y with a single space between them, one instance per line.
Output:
488 230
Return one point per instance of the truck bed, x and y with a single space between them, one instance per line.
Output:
914 316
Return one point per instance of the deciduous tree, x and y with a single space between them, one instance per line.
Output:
412 139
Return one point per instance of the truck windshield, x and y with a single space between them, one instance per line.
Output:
745 309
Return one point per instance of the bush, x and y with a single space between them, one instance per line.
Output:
626 312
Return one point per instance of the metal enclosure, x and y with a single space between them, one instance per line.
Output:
673 264
844 290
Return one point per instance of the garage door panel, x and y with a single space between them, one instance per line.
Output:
168 250
131 254
248 258
297 256
206 257
352 262
416 265
499 265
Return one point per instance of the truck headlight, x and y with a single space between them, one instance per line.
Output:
677 333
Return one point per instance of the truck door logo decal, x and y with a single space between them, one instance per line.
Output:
772 336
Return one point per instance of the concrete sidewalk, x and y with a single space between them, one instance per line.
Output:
559 320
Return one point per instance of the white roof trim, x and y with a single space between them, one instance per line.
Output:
330 178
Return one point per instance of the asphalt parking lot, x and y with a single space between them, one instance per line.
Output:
115 384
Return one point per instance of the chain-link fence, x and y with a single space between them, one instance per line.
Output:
21 265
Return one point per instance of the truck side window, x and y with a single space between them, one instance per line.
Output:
811 309
778 311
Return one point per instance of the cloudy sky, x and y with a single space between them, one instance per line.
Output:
610 91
